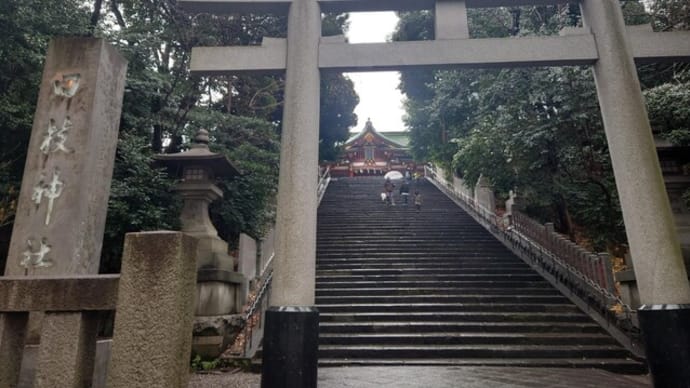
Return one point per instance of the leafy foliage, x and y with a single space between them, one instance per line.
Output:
141 199
252 145
670 14
25 28
669 111
338 101
535 130
163 106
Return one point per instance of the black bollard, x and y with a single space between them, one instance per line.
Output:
290 347
666 333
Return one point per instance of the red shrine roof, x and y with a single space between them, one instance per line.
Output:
370 135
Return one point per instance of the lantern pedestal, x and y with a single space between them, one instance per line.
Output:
220 291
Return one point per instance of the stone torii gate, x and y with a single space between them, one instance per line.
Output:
605 43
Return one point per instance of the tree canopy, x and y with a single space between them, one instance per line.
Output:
164 105
535 130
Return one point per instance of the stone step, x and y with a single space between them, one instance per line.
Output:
438 262
412 252
399 287
448 307
447 260
445 338
435 298
426 282
420 277
405 246
471 351
477 292
447 316
398 255
440 267
455 327
416 231
617 365
428 279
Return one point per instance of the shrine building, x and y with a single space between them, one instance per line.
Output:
372 153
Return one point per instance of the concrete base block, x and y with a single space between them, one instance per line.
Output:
100 370
291 345
74 334
211 253
212 335
215 298
219 292
666 331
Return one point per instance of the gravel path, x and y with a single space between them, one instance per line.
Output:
225 380
440 377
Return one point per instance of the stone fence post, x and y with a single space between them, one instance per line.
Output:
246 260
484 195
152 341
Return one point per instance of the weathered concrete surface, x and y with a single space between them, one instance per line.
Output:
440 377
67 351
338 6
409 5
505 52
153 325
64 196
216 298
247 260
212 335
450 20
269 57
68 293
100 369
649 223
451 50
62 205
484 194
13 328
653 47
295 263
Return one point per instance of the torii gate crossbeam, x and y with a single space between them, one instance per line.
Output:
605 43
574 47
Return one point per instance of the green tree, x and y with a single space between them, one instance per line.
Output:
537 130
668 96
248 204
338 98
163 106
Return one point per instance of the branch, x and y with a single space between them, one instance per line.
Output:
116 11
96 15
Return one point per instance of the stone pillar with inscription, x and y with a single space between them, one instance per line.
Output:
60 218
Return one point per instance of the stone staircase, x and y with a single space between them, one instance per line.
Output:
399 287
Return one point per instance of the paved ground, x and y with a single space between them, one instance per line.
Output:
441 377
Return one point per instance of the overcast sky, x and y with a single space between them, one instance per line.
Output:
379 98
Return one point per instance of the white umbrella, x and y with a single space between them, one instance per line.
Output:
393 175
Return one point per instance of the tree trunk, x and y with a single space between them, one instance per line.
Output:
96 15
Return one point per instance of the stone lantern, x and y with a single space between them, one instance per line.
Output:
220 290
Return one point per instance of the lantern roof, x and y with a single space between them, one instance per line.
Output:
198 155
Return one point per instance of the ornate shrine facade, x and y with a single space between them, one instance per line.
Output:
372 153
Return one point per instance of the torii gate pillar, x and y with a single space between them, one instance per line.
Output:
658 261
292 329
609 48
